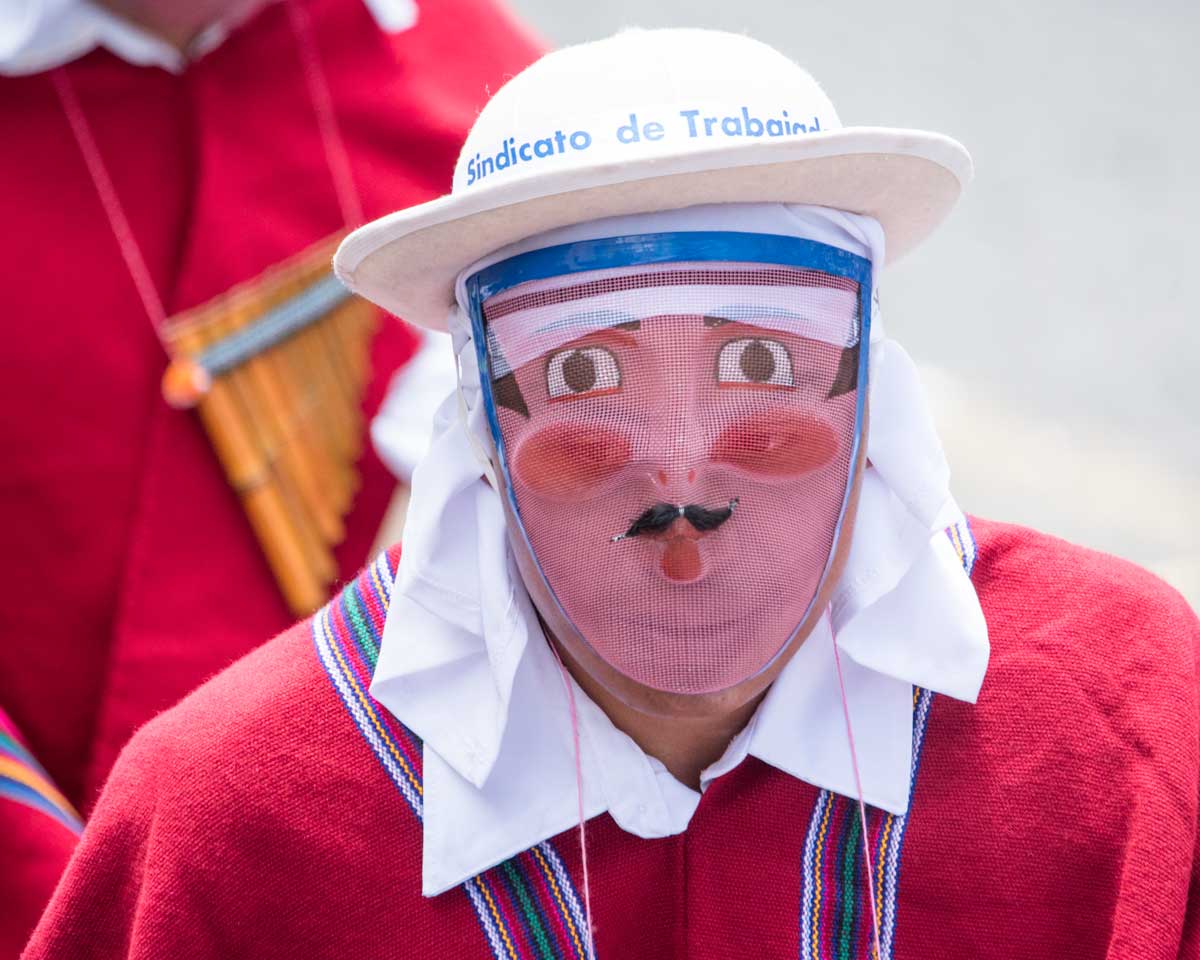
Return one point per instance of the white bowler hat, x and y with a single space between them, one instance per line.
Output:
642 121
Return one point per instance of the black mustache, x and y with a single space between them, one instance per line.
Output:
657 518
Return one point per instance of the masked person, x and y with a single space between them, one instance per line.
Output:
685 654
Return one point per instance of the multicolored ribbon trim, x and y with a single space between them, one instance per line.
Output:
527 907
23 780
835 912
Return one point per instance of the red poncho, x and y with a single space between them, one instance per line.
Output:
275 813
133 574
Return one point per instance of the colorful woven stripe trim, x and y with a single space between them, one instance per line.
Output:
835 910
527 907
23 780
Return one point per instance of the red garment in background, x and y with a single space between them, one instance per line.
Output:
129 572
38 832
1055 818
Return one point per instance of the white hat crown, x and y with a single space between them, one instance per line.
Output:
644 121
639 94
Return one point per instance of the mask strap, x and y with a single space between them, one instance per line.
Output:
464 418
862 807
587 895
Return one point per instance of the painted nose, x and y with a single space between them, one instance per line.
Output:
673 481
679 456
677 478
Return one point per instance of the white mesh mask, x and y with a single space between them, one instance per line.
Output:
676 418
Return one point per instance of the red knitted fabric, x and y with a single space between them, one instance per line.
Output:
34 849
1055 818
38 832
138 577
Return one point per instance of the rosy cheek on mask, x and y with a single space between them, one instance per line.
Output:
569 459
777 443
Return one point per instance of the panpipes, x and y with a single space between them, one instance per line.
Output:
276 369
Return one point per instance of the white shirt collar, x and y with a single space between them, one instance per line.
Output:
38 35
530 794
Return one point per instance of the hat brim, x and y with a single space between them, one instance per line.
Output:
908 180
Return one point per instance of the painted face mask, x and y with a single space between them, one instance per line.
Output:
676 418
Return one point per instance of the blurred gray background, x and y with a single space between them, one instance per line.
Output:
1050 316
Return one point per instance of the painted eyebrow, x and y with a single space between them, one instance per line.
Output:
746 313
620 334
591 321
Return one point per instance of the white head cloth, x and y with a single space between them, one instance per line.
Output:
460 618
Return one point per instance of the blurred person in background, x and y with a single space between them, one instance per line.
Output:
691 651
157 155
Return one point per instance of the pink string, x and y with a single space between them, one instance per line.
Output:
587 893
331 138
130 250
862 807
336 157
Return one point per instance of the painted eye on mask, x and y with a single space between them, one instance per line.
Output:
582 372
754 362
